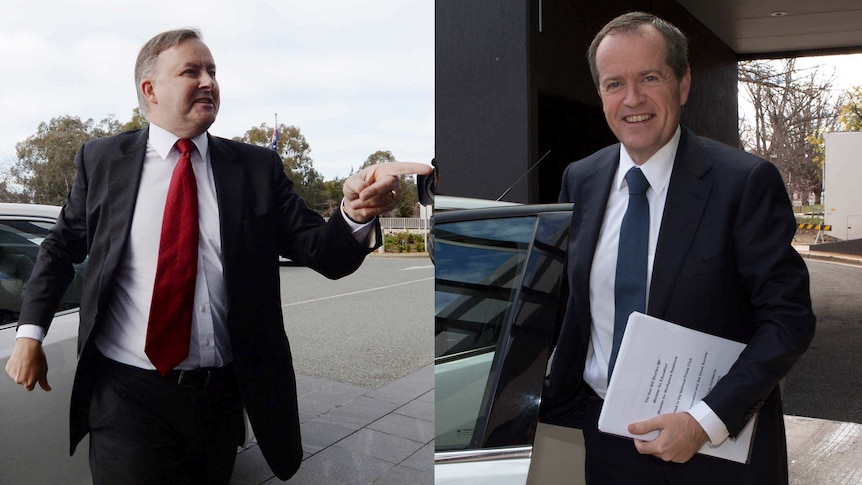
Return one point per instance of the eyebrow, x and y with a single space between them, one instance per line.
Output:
198 65
645 72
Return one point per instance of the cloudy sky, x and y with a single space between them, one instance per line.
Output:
847 69
355 76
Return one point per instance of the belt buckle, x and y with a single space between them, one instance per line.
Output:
194 378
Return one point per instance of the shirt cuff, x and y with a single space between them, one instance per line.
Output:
710 422
360 230
35 332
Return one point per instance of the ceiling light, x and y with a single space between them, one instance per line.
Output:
778 13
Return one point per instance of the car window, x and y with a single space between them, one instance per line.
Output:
19 247
478 264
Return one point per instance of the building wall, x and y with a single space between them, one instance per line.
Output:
481 106
513 85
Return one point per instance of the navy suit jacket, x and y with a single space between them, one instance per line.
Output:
723 264
261 218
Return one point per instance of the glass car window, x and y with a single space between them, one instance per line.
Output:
19 247
478 266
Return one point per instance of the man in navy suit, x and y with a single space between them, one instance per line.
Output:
719 260
182 424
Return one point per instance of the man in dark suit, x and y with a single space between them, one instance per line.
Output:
178 419
718 258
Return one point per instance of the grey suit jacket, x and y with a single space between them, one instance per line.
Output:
261 218
724 265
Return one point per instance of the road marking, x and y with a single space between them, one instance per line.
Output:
417 267
351 293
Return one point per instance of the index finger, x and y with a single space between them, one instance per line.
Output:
404 168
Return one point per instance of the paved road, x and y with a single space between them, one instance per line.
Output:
367 329
825 383
822 395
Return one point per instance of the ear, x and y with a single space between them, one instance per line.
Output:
149 90
684 87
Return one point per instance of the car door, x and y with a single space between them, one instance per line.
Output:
499 299
35 425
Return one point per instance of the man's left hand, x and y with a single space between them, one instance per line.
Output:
680 436
375 190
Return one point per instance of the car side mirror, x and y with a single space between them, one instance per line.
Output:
427 185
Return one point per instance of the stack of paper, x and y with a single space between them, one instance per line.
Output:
664 368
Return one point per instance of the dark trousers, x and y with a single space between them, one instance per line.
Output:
612 460
149 429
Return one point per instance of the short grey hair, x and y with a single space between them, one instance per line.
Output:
145 65
676 54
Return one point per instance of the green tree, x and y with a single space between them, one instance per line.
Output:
294 150
850 113
45 167
138 121
7 194
380 156
409 202
334 194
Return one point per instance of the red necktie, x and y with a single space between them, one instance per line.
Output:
169 326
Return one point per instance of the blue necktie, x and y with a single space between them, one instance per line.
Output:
631 276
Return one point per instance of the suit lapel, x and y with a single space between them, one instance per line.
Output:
591 204
686 199
590 196
124 179
228 174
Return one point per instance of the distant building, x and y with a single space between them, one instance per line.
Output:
842 185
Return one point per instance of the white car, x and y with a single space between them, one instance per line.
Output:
499 300
35 425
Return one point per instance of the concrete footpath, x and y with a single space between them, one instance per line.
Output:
823 452
806 253
352 435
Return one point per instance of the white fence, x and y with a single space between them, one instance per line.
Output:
416 225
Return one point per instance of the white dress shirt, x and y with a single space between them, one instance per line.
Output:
657 171
124 334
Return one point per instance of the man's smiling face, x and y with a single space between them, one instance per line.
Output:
641 97
182 94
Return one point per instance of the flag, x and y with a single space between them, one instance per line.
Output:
274 144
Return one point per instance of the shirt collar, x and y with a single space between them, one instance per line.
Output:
656 170
163 141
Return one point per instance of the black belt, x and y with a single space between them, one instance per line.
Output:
198 378
195 378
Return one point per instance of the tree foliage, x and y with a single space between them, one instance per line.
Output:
45 167
334 194
850 113
7 194
138 121
380 156
792 109
294 150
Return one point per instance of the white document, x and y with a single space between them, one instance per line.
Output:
664 368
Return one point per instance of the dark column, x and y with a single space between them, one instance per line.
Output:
512 83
